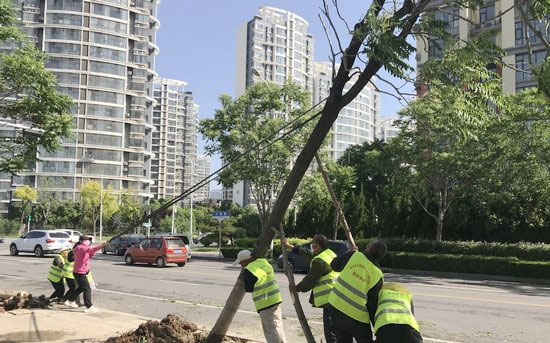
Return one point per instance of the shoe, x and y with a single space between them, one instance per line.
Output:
90 310
70 304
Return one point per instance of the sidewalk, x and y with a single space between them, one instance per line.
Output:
64 324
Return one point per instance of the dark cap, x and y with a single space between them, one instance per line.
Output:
85 238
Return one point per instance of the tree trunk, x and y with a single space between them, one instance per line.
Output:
336 215
439 220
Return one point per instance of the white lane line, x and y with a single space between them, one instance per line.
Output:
465 289
483 300
11 276
181 282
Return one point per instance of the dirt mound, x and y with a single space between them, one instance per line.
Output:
171 329
23 300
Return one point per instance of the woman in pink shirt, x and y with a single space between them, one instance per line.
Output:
83 252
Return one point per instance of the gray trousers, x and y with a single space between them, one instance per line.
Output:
272 323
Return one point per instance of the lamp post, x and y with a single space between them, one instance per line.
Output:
190 200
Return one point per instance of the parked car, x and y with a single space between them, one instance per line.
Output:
158 250
75 235
301 263
119 245
185 240
41 242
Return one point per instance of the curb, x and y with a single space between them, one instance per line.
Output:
211 258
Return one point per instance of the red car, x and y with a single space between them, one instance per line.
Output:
158 250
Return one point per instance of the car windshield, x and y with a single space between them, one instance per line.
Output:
58 235
175 243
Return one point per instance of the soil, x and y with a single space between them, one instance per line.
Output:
23 300
172 329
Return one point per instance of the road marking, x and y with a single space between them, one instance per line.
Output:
11 276
465 289
181 282
484 300
438 340
22 261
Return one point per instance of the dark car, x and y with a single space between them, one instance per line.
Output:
301 263
119 245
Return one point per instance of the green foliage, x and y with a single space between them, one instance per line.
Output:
240 124
42 107
207 240
506 266
27 195
231 252
91 198
8 227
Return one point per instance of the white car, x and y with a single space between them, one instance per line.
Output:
75 235
41 242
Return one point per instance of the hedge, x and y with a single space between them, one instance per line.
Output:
522 250
475 264
248 243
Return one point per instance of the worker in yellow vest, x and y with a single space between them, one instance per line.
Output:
56 275
394 319
259 278
320 279
69 279
354 298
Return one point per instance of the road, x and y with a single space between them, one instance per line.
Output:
449 310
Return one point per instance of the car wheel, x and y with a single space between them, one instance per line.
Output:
38 252
13 250
117 252
104 251
129 260
160 262
181 264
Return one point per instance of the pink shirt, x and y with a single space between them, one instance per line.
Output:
82 256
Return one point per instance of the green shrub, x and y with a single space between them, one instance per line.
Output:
9 227
522 250
475 264
231 251
206 241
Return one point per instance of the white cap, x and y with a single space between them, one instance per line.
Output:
242 255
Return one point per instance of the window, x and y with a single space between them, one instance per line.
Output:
67 78
69 91
102 125
145 244
175 243
108 54
450 16
96 139
106 39
520 32
522 62
109 11
62 34
101 96
435 48
64 19
62 63
107 68
104 111
156 243
63 48
486 13
106 82
58 235
102 154
109 25
65 5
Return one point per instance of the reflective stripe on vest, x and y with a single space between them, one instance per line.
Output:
266 290
56 274
349 294
394 307
323 287
68 269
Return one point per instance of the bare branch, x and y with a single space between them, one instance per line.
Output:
333 58
337 7
421 204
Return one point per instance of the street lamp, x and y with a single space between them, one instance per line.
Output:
190 200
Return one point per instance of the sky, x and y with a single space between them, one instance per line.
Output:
197 41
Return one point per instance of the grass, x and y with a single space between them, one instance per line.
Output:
204 249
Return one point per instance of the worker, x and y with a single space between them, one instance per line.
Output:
55 275
320 280
83 252
69 279
394 319
354 298
259 278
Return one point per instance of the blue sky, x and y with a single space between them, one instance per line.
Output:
197 42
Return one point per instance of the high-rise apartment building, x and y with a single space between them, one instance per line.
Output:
356 123
274 46
504 19
174 142
202 171
103 54
386 128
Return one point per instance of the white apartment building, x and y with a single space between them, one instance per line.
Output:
356 123
202 171
103 54
274 46
386 128
499 15
174 142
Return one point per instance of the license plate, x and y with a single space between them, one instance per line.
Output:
62 241
177 251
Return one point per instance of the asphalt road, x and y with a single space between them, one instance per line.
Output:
449 310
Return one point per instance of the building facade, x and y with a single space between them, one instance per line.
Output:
202 171
274 46
103 54
174 141
356 123
511 33
386 128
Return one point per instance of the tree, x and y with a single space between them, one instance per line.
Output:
28 95
130 210
91 197
27 195
242 123
380 40
47 200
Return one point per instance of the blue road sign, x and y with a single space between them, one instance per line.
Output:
221 215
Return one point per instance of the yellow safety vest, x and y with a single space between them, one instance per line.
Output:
394 307
68 269
324 285
349 294
266 290
56 274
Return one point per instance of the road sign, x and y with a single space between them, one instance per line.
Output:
221 215
148 224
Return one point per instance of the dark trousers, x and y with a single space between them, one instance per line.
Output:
71 283
330 337
396 333
59 289
83 287
347 328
